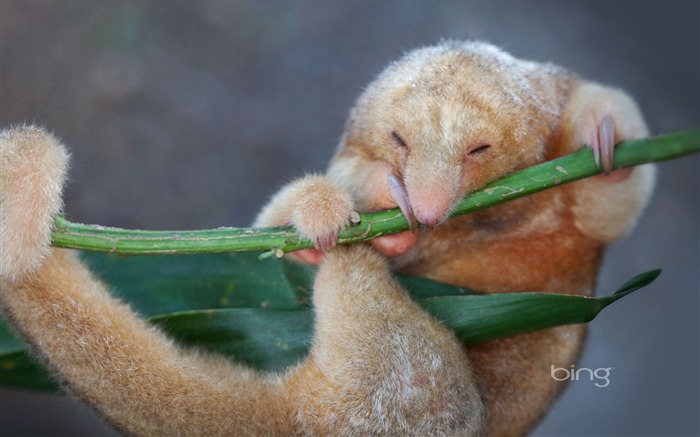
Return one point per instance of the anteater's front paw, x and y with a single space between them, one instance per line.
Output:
321 210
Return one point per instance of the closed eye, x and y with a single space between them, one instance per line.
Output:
398 140
479 150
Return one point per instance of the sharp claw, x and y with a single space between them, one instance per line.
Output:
326 242
606 141
596 150
399 195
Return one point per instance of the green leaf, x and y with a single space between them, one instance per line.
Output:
639 281
480 318
258 312
19 370
156 285
265 339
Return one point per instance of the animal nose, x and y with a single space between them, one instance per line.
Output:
432 190
429 215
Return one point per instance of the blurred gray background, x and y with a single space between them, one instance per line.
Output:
190 114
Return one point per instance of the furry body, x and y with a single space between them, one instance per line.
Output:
378 364
444 103
376 358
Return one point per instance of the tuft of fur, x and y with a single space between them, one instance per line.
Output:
33 168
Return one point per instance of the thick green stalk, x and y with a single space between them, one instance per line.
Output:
283 239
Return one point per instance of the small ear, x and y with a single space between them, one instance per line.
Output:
34 166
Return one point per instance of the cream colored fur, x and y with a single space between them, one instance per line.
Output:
445 102
617 205
30 194
378 364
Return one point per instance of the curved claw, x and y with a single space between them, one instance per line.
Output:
397 191
326 242
606 144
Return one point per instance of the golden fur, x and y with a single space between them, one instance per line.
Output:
444 102
378 364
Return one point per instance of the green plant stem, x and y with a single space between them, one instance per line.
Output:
372 224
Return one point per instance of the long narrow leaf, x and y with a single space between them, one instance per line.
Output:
258 312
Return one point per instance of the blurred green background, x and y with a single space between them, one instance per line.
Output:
189 114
